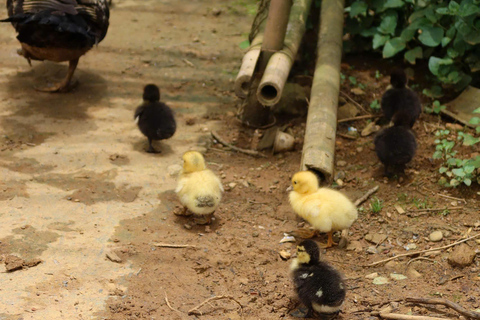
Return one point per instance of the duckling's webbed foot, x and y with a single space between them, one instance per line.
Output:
203 219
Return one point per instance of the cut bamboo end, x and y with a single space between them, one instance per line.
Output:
249 62
271 86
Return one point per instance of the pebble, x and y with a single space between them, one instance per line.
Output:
411 246
380 280
372 250
462 256
436 236
255 234
340 175
232 185
112 256
341 163
187 226
376 238
413 274
371 275
397 276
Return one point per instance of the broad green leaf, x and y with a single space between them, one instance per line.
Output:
394 4
474 121
477 130
467 181
451 32
469 169
454 77
453 6
476 110
443 169
389 22
408 34
472 37
358 8
464 82
393 46
244 44
452 53
431 36
459 172
443 11
469 140
454 182
413 54
437 155
446 41
434 64
379 40
467 9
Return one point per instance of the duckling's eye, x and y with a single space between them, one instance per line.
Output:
294 182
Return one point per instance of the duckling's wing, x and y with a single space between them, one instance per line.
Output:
180 185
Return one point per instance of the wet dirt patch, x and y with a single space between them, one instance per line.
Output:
11 189
91 187
119 159
62 226
27 242
26 165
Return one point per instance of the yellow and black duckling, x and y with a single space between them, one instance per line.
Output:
58 30
400 104
198 189
318 285
395 147
325 209
154 118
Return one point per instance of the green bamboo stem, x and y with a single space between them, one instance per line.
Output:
319 144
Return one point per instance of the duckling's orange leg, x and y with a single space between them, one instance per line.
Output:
330 242
63 86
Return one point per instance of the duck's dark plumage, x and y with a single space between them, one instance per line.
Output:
154 118
399 103
319 286
395 147
58 30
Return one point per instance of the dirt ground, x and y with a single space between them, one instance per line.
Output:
77 185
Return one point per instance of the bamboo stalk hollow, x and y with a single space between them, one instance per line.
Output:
319 144
249 62
271 86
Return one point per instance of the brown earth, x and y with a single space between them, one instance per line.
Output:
77 185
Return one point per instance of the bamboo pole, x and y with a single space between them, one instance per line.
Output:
319 146
249 62
255 114
271 86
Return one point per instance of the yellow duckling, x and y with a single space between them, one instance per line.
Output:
325 209
198 189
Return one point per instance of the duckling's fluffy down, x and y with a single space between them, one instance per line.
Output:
200 191
326 209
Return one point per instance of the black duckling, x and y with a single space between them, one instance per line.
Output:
399 103
395 147
58 30
319 286
154 118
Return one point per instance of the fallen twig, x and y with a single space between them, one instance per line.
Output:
368 116
464 312
422 251
436 209
354 102
169 245
420 258
196 311
179 313
452 198
359 201
346 136
249 152
397 316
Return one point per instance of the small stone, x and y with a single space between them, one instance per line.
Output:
208 229
13 263
112 256
436 236
339 182
397 276
355 246
410 246
341 163
174 169
232 185
380 280
376 238
369 129
285 255
413 274
255 234
372 250
371 276
357 91
216 12
432 253
359 149
462 256
391 265
340 175
187 226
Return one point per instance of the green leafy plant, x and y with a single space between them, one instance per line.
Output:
375 105
376 205
446 33
435 108
456 171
